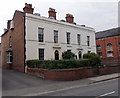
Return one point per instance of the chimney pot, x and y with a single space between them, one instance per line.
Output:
52 13
8 24
28 8
69 18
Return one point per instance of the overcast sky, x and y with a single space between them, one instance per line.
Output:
98 14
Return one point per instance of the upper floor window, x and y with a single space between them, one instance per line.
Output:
88 40
40 34
10 42
68 38
109 45
55 36
78 39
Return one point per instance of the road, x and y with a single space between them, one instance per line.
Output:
106 88
19 84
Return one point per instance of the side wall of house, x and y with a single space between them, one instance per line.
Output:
17 39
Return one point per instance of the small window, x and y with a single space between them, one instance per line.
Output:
78 39
55 36
89 51
9 57
10 42
69 50
41 54
99 50
40 34
68 38
109 45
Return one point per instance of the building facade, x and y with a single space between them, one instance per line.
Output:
31 36
108 46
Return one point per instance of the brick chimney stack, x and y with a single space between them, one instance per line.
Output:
69 18
8 24
52 13
28 8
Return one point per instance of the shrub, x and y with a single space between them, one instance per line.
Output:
58 64
68 55
94 58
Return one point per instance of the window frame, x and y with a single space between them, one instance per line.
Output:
9 57
68 37
79 39
41 53
40 34
88 40
55 36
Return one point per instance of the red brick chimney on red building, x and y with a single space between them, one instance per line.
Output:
28 8
52 13
69 18
8 24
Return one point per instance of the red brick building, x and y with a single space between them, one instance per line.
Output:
13 43
108 46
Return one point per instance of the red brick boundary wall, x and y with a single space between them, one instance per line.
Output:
73 74
111 61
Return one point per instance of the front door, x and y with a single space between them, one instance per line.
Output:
56 55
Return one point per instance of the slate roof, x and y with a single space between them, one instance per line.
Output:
108 33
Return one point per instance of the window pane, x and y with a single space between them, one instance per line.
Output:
55 36
68 38
78 39
88 40
9 57
41 54
40 34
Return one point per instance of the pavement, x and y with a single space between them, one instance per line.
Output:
27 85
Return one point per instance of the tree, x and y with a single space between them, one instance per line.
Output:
68 55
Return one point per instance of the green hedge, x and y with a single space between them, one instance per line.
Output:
58 64
94 59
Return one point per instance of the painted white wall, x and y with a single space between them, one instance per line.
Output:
49 25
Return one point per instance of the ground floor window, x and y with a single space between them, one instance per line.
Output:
109 53
89 51
41 54
9 57
99 53
56 55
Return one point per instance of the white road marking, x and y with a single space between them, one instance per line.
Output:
106 94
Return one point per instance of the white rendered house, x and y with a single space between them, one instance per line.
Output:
30 36
47 38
